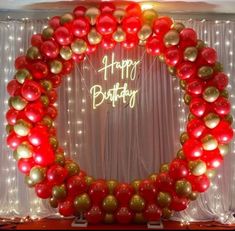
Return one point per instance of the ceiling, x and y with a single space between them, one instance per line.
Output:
227 6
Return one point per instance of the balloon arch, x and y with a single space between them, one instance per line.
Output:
32 135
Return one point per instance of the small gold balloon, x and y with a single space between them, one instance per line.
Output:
218 67
200 44
66 53
18 103
94 37
112 184
211 94
153 177
22 127
193 196
209 142
22 74
166 213
184 137
37 174
228 118
180 154
119 14
137 203
142 43
211 120
109 204
211 173
9 128
24 150
53 142
47 84
191 117
171 38
149 16
172 70
56 66
183 84
45 100
66 18
53 202
224 93
48 33
29 181
178 26
92 14
82 203
59 159
163 199
197 167
136 184
47 121
187 98
205 72
161 58
190 54
164 167
72 168
224 149
59 192
33 53
144 32
139 218
119 35
108 218
79 46
15 155
183 188
89 180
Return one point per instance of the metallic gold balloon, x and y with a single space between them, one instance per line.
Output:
82 203
153 177
48 33
109 218
21 75
9 128
164 167
79 46
37 174
224 93
224 149
72 168
184 137
180 154
218 67
166 213
53 142
211 120
191 117
228 118
47 121
119 35
200 44
190 54
178 26
211 94
172 70
193 196
209 142
149 16
183 84
139 218
33 53
66 53
119 14
92 14
59 192
56 66
109 204
205 72
136 184
45 100
187 98
47 84
59 159
94 37
211 173
22 127
142 43
24 150
171 38
66 18
29 181
18 103
53 202
163 199
15 155
89 180
161 58
183 188
137 203
112 184
144 32
197 167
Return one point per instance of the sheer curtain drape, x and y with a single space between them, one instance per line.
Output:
120 142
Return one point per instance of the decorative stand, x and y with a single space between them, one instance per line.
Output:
155 225
79 221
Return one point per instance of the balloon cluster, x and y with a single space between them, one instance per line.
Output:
32 134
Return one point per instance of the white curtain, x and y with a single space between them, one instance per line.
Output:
120 143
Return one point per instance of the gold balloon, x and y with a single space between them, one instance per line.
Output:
112 184
205 72
18 103
166 213
79 46
211 120
66 18
9 128
47 84
224 149
209 142
183 188
149 16
228 118
56 66
59 192
48 33
89 180
172 70
190 54
161 58
47 121
153 177
82 203
72 168
21 75
144 32
187 98
163 199
92 14
94 37
53 202
22 127
218 67
45 100
24 150
193 196
139 218
142 43
183 84
108 218
66 53
178 26
33 53
184 137
197 167
224 93
119 14
37 174
211 173
53 142
135 184
109 204
137 203
59 159
29 181
15 155
171 38
164 168
180 154
211 94
119 35
191 117
200 44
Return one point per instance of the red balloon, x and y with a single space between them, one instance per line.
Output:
13 140
107 7
147 190
79 11
80 27
131 24
66 208
13 87
50 49
54 22
178 203
31 90
25 165
67 67
36 40
173 56
63 36
195 87
38 135
134 9
90 48
199 183
43 190
21 62
223 132
34 111
123 193
52 111
44 155
152 212
213 159
220 81
192 149
106 24
39 70
188 37
195 128
124 215
198 107
222 106
78 58
52 95
76 185
98 191
108 42
56 80
186 70
130 42
94 215
178 169
11 116
56 174
209 55
162 25
164 182
82 173
154 45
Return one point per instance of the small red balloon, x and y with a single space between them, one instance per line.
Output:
222 106
56 80
80 27
186 70
52 111
131 25
209 55
36 40
124 215
162 25
223 132
13 87
108 42
50 49
21 62
164 182
11 116
54 22
43 190
106 24
76 185
195 87
178 169
56 174
192 149
154 45
147 190
52 95
44 155
31 90
13 140
66 208
107 7
213 159
38 135
94 215
67 67
79 11
34 111
25 165
63 36
131 41
220 81
123 193
199 183
195 128
173 56
78 58
179 203
188 37
39 70
152 212
98 191
198 107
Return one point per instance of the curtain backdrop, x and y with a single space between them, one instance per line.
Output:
120 143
